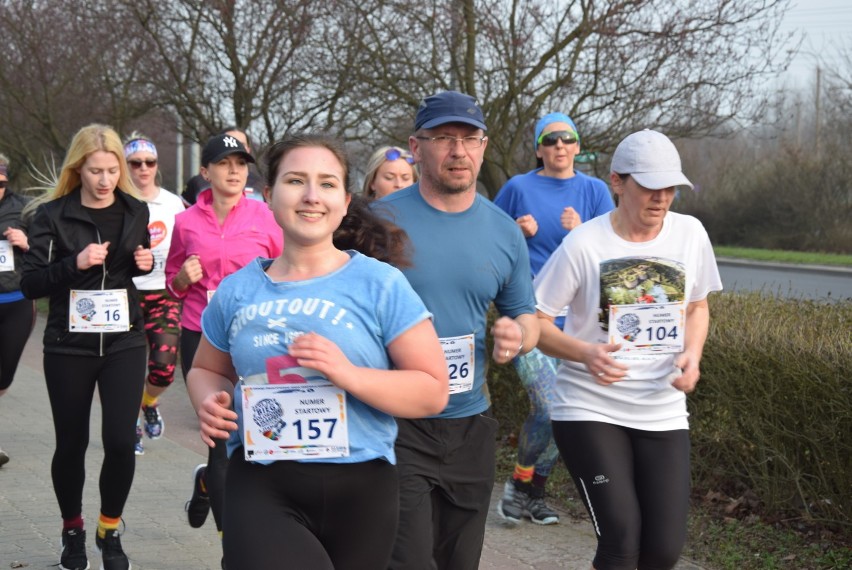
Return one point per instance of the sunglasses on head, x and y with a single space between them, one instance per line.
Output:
150 163
394 154
550 139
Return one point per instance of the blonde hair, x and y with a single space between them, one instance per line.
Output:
379 158
89 139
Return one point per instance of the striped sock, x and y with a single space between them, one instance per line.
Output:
149 400
523 474
106 523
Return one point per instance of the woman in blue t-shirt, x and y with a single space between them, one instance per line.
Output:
307 358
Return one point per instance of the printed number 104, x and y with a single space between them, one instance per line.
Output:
660 333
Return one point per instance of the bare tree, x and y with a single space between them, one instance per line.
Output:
63 66
228 61
359 68
685 67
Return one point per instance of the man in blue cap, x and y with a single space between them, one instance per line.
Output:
466 254
547 203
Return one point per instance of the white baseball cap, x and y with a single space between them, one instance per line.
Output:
651 159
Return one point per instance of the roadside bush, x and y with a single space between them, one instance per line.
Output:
772 416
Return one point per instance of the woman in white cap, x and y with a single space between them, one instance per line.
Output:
619 418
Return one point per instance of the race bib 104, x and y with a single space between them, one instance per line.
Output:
648 329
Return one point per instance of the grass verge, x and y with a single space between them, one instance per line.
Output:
781 256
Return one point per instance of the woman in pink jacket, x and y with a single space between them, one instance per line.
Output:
220 233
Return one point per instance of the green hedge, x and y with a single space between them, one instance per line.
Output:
773 411
771 418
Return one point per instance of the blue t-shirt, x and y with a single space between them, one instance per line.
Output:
461 262
545 197
362 307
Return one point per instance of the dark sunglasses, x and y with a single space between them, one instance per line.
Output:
393 154
3 184
150 163
550 139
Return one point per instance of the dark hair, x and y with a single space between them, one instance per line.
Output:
361 229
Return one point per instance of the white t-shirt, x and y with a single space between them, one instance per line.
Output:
162 211
592 268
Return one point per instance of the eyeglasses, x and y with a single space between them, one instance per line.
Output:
447 142
136 164
550 139
3 184
394 154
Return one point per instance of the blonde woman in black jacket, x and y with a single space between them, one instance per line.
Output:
88 239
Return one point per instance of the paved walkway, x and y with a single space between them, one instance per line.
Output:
157 536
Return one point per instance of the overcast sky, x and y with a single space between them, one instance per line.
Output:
826 24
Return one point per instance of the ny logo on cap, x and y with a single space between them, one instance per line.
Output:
230 141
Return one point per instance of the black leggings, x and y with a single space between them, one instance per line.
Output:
17 320
217 457
635 485
322 516
71 384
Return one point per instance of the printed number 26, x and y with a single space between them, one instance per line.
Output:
458 371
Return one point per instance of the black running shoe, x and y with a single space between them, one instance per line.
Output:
198 506
73 555
112 555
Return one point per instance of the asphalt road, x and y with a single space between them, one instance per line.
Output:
820 283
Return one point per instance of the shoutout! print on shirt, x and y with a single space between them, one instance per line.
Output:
277 312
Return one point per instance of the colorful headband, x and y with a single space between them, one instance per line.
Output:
139 145
4 171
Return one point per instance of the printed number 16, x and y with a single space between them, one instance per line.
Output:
111 315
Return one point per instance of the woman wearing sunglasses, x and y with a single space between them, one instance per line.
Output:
389 169
160 310
17 314
547 203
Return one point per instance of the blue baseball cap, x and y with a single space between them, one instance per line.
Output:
449 107
552 118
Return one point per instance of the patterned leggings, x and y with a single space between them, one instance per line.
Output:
162 328
535 442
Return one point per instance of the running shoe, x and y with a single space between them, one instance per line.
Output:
73 555
112 555
198 506
154 424
139 449
511 506
4 458
537 509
